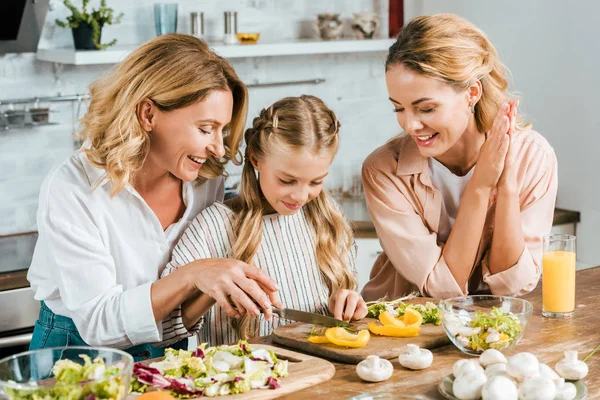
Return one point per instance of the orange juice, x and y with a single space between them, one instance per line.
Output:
558 281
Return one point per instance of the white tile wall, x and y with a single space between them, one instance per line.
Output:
354 87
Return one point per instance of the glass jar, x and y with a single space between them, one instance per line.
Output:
15 116
39 113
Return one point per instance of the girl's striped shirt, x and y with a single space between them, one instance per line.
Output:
286 253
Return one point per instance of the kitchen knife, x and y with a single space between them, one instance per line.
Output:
310 318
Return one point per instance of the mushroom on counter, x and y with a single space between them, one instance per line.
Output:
570 367
415 358
374 369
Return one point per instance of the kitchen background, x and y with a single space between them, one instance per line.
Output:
547 44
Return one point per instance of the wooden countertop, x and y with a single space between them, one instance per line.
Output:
545 337
357 213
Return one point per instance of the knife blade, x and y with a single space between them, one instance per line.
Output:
310 318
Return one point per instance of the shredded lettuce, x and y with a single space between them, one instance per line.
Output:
500 321
212 371
92 380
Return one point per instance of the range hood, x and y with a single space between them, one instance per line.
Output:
21 23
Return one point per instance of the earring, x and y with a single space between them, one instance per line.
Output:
472 109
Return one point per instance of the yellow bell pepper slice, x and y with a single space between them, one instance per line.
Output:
341 337
391 330
318 339
412 317
387 319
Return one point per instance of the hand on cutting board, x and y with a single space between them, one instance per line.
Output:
347 305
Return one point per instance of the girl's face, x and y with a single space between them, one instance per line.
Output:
182 140
290 179
432 112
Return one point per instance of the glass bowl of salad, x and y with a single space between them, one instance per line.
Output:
74 373
480 322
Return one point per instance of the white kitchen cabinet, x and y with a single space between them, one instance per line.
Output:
565 229
368 251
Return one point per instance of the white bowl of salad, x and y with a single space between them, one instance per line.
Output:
480 322
74 373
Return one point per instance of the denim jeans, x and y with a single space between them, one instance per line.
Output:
53 330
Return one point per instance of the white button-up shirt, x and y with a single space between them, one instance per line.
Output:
97 256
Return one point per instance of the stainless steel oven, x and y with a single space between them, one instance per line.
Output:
18 309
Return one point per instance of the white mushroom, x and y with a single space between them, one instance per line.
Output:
491 356
522 366
463 340
564 390
570 367
374 369
459 367
415 358
468 331
537 388
496 369
493 336
469 384
452 324
500 387
548 372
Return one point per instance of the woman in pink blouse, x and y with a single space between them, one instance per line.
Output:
462 199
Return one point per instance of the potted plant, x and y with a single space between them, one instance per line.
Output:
87 26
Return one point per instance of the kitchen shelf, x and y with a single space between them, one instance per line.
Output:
116 54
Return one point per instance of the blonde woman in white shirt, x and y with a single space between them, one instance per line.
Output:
159 131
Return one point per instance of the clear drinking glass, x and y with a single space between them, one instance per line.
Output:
558 276
165 18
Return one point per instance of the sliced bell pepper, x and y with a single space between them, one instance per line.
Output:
391 330
341 337
387 319
318 339
412 317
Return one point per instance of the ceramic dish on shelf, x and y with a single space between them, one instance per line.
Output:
248 37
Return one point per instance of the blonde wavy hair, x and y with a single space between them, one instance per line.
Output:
453 50
295 123
173 71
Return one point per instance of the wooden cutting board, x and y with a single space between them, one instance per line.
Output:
304 371
296 336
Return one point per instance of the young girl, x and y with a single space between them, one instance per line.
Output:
461 201
282 222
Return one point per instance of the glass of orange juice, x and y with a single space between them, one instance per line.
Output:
558 276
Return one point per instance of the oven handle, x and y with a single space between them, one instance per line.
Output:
17 340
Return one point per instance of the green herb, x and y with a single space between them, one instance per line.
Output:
591 354
314 332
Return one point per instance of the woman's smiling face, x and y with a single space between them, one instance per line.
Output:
432 112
